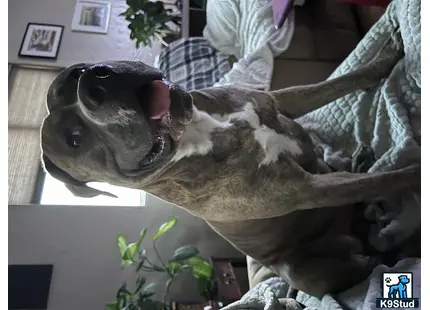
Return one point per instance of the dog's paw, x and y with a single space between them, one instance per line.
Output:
408 220
377 241
374 211
396 225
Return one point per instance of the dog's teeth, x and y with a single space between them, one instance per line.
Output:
166 119
155 152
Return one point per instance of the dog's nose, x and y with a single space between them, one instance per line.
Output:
93 85
100 71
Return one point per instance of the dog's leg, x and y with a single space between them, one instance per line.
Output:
328 274
342 188
296 101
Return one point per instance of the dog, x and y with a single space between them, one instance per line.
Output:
399 290
232 156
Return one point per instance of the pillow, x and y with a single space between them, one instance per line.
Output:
193 63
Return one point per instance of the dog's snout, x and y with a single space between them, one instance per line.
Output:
101 71
97 95
93 85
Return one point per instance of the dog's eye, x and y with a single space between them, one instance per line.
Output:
74 139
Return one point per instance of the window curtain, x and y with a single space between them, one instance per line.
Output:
27 100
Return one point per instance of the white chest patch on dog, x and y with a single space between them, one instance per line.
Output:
274 144
197 137
247 114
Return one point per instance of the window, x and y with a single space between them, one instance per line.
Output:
55 193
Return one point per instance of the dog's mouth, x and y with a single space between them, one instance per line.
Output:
155 153
155 100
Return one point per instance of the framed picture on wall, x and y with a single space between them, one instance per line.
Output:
41 41
91 16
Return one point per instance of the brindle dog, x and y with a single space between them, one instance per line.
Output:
231 156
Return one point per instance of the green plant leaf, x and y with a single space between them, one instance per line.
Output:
121 244
201 268
126 263
149 304
130 252
122 291
164 228
139 284
140 265
113 305
176 267
168 283
141 236
173 266
158 268
185 252
185 268
143 254
148 290
133 3
129 11
208 288
122 302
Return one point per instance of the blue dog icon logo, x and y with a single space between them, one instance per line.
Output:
398 290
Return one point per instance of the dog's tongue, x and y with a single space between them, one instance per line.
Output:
160 101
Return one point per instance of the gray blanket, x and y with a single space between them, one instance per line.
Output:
269 295
388 118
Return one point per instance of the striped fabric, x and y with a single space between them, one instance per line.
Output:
193 63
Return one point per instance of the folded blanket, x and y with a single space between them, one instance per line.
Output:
246 30
387 118
270 294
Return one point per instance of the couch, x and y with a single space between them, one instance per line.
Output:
326 31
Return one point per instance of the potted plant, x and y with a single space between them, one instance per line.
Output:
149 20
184 259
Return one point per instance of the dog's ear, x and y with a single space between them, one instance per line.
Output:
85 191
77 188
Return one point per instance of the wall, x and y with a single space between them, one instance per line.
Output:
76 46
81 243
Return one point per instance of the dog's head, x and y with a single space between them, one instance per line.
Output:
404 279
116 121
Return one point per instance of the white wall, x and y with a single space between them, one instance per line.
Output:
76 46
81 244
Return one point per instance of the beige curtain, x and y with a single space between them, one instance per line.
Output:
27 98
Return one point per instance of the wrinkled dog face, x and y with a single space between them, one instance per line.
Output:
117 122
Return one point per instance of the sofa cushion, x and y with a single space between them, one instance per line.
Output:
300 72
324 30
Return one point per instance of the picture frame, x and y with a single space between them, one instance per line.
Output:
91 16
41 41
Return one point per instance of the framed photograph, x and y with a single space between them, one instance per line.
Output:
91 16
41 41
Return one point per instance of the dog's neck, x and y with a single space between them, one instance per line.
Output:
222 151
